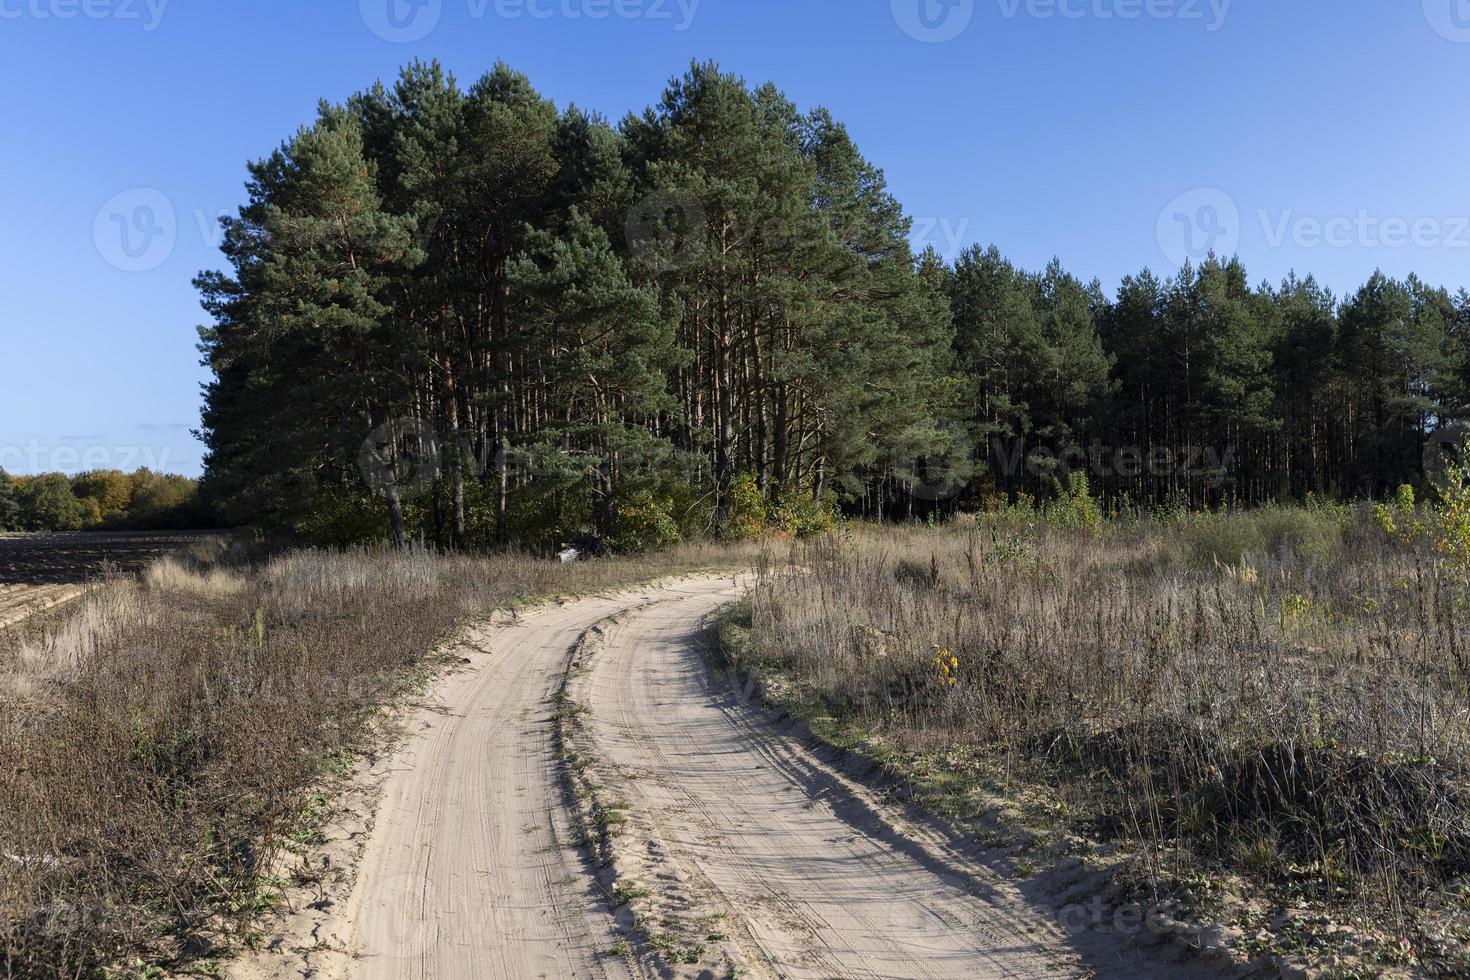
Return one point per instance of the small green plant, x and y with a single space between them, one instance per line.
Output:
623 893
1398 519
1452 514
1295 609
748 514
687 955
1076 510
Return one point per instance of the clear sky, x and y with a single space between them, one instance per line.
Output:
1316 135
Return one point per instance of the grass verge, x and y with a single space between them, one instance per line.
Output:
1270 746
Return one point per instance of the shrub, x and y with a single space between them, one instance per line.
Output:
1076 510
112 490
748 515
551 511
799 513
344 519
643 522
1452 515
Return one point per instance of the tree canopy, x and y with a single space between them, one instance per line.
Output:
100 500
468 315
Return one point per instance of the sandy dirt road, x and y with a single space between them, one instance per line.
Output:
786 852
473 870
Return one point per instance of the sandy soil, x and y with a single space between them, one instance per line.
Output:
20 602
816 888
470 868
734 848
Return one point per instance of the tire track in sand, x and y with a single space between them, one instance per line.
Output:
818 889
765 851
472 872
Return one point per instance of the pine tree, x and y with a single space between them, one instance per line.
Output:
925 417
310 355
1233 397
603 345
1131 329
722 288
1073 382
1002 349
1393 341
1307 385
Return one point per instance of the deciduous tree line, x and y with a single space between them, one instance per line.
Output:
468 315
100 499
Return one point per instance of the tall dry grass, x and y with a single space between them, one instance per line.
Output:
1281 693
161 738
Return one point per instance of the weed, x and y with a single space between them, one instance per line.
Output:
1241 692
623 893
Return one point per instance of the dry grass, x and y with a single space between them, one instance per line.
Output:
161 738
1295 713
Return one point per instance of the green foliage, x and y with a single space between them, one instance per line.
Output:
1452 514
1445 524
1031 346
155 498
112 490
552 510
47 504
573 332
1393 348
748 514
9 505
1075 509
1405 499
1228 538
799 513
1398 519
725 279
106 499
644 521
321 266
341 520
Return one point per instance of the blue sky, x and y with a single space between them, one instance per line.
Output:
1319 135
